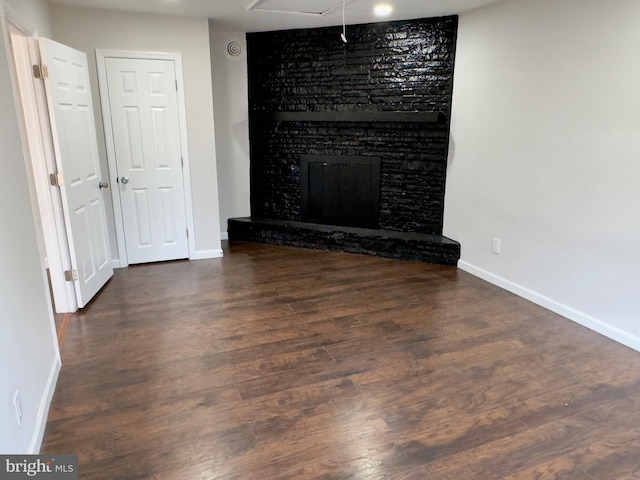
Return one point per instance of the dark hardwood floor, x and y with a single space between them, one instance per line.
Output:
280 363
62 321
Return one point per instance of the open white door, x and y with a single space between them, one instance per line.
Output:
76 151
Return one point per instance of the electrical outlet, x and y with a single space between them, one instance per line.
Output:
18 406
495 246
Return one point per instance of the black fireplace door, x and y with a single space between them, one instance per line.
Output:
340 190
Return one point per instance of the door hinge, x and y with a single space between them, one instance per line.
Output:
56 179
40 71
187 233
71 275
182 162
176 85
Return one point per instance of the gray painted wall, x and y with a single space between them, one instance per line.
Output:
29 357
544 156
231 108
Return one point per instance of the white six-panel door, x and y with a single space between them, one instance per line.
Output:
145 126
76 151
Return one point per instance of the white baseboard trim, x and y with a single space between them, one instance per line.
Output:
43 410
204 254
603 328
224 235
117 264
199 255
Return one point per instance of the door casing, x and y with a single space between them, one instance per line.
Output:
38 147
101 55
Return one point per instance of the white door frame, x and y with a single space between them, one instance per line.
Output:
39 155
101 56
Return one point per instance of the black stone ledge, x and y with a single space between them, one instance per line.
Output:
383 243
362 117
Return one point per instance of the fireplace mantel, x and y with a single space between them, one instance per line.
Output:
387 117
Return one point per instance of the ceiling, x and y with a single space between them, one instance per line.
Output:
283 14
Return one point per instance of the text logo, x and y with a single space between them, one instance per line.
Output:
51 467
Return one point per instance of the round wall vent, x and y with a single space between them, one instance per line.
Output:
233 49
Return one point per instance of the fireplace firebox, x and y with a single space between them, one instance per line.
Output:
340 190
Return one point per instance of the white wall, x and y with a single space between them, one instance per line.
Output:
88 29
34 13
29 357
546 156
231 109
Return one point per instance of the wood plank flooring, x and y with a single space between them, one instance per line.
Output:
62 321
281 363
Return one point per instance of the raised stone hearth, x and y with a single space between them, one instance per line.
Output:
383 243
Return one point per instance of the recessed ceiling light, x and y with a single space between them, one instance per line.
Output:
382 10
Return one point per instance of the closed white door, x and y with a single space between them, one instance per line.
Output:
143 103
76 152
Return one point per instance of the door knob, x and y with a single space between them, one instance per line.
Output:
124 180
102 185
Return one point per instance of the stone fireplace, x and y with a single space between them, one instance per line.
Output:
349 143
